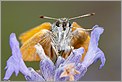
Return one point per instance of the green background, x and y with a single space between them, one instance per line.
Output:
19 17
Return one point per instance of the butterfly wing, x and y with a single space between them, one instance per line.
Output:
80 38
29 51
75 26
25 36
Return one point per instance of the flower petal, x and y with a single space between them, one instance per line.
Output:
63 74
40 51
75 56
92 54
58 73
59 61
100 55
14 45
66 72
34 76
48 69
82 71
93 46
9 71
15 63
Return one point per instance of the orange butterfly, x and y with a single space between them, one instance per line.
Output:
56 39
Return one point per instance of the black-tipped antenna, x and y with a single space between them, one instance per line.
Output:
45 17
82 16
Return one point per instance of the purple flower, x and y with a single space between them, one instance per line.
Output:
34 76
48 69
93 51
59 61
15 63
69 69
74 57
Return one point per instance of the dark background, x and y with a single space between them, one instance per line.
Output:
19 17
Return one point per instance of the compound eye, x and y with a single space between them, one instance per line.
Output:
57 23
69 24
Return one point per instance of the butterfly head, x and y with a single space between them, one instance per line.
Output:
63 22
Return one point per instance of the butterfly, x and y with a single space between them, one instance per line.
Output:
57 39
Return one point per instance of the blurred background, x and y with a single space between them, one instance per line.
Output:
19 17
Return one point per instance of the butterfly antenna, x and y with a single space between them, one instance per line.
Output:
45 17
82 16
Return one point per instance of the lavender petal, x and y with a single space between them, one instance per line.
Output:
9 70
59 61
15 62
48 69
100 55
82 69
34 76
75 56
93 46
93 53
58 73
40 51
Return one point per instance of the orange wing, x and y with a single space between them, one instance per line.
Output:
29 39
25 36
80 38
75 26
29 51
